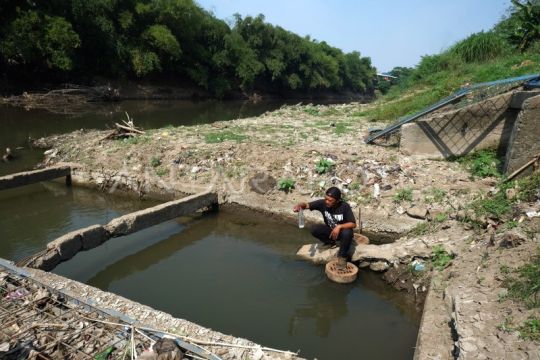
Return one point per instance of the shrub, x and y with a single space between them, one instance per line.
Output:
483 163
524 282
324 165
286 184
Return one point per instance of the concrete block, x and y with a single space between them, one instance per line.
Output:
519 97
524 143
486 124
48 261
67 245
31 177
93 236
142 219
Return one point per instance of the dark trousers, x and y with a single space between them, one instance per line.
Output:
322 232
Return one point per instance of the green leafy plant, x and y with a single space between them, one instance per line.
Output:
403 195
286 184
480 47
440 258
324 165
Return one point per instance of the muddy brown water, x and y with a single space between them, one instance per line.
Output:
234 271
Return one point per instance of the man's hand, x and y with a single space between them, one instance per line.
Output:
335 232
299 206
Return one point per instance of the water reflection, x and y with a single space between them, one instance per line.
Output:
326 304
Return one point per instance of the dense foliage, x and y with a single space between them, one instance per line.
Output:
57 40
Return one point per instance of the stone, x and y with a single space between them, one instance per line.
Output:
379 266
511 193
511 239
417 212
262 183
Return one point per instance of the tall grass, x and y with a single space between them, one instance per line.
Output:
481 47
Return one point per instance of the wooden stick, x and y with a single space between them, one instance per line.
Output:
520 170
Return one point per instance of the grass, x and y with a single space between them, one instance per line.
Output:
530 330
213 138
440 258
483 163
523 283
403 195
341 128
498 205
435 196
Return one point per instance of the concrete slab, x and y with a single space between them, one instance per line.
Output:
32 177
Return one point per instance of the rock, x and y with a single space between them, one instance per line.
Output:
511 193
417 212
379 266
364 264
47 262
360 239
262 183
511 239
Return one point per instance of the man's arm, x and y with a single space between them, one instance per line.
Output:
302 205
335 231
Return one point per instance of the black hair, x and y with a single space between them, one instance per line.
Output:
334 192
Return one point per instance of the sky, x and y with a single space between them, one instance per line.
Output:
391 32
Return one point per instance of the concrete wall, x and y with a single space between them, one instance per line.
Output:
31 177
68 245
486 124
524 144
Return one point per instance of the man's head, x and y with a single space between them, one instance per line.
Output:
332 197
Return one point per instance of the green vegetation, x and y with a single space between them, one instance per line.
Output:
80 40
523 283
324 165
435 196
155 162
286 184
511 48
440 258
530 329
483 163
222 136
403 195
499 205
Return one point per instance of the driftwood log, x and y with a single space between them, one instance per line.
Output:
125 130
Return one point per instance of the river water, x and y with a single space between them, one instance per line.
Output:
233 271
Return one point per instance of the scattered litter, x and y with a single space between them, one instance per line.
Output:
531 214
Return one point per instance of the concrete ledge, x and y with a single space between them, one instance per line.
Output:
31 177
139 220
67 246
524 142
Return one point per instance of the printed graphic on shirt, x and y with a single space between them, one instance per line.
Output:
330 219
338 217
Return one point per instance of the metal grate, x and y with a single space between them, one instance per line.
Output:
37 322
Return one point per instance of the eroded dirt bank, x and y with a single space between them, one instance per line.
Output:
247 161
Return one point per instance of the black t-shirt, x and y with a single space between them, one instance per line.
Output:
339 214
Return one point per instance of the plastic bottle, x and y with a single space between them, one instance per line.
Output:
301 218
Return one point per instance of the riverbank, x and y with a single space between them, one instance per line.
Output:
313 147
